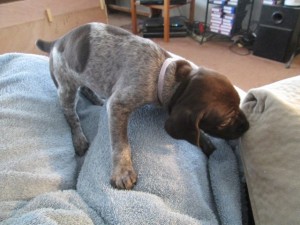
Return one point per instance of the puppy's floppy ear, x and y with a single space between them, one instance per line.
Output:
178 128
184 125
183 70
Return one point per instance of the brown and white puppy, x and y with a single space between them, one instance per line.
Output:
130 71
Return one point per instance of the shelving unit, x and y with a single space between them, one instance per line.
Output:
113 6
166 7
226 16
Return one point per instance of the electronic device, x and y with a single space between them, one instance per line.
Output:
158 22
278 32
154 27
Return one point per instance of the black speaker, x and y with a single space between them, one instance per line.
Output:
278 32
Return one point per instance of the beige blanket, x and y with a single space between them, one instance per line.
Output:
271 152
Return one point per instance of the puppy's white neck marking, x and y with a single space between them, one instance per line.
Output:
161 77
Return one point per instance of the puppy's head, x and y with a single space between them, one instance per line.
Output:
208 101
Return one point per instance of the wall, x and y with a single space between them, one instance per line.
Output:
23 22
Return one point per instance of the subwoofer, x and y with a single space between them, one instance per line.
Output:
278 32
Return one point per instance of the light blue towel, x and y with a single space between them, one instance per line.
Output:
177 184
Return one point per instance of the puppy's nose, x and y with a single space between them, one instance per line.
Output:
243 127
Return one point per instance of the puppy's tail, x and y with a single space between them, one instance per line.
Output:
44 45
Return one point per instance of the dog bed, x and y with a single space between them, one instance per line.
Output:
43 182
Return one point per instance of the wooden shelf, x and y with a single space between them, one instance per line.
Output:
166 7
125 9
162 6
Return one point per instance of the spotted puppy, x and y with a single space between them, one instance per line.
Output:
130 71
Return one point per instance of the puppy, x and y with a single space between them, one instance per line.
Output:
106 62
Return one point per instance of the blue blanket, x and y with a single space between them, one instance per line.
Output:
43 182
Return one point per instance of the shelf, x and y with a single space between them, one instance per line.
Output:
166 10
226 26
161 7
125 9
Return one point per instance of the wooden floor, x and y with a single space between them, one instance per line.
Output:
245 72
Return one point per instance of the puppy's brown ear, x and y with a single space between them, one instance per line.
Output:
184 125
206 144
183 70
187 127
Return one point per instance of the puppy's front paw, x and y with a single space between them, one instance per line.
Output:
81 144
124 178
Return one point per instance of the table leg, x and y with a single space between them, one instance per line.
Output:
133 17
166 20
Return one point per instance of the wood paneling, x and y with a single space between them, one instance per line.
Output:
31 10
22 37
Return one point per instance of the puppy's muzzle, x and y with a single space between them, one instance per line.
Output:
243 127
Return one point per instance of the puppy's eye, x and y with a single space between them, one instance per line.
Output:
224 124
221 126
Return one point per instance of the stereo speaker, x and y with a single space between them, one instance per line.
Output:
278 32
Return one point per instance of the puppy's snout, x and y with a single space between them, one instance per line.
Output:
243 127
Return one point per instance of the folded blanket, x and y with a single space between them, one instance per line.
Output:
177 184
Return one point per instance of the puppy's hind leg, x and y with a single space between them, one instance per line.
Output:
67 96
90 95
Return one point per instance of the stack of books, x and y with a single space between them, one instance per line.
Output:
219 2
216 18
232 2
222 18
228 19
272 2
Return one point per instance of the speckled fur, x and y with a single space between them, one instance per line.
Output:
107 62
